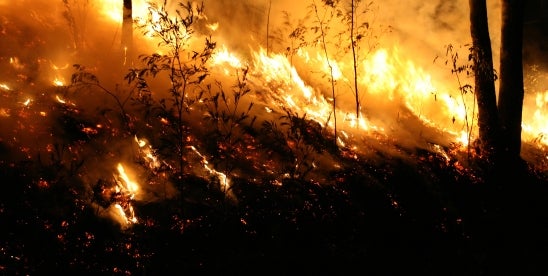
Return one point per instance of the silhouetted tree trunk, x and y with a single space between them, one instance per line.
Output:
354 58
510 102
484 89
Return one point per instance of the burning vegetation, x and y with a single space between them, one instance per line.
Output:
313 141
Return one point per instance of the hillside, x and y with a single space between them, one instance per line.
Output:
204 153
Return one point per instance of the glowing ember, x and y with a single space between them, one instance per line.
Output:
4 112
223 179
58 82
60 100
14 61
4 86
148 154
213 26
89 130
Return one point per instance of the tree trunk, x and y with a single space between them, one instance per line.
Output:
510 102
484 80
354 59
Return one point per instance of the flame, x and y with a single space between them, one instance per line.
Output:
127 218
59 82
223 56
213 26
148 153
535 119
125 191
463 139
55 67
60 100
128 184
223 179
388 73
5 86
14 61
275 70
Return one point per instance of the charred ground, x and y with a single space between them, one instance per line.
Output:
416 211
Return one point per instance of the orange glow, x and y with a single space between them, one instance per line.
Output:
59 82
113 9
535 118
125 191
223 179
222 57
148 154
213 26
4 112
60 100
127 184
5 86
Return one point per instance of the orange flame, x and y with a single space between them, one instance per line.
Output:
128 184
223 179
5 86
59 82
535 120
127 189
148 153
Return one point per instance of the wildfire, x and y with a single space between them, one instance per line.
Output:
213 26
463 138
223 56
535 123
223 179
141 10
14 61
127 184
276 71
60 100
148 153
113 9
58 82
124 194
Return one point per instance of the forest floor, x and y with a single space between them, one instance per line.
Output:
427 217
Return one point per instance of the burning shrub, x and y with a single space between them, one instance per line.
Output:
186 69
